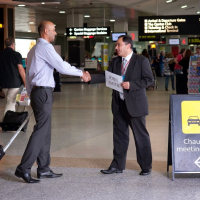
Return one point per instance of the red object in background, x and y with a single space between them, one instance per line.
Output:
183 41
89 37
133 36
175 50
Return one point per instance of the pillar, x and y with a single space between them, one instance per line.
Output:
7 23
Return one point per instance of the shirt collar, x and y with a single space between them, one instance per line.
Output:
42 40
129 56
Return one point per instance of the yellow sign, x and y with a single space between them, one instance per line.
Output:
1 25
153 46
190 117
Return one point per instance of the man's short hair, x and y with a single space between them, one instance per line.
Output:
9 41
41 27
127 40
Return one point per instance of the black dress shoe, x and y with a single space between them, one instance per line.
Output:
26 177
49 174
145 172
111 171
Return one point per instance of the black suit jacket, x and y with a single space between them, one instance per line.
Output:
139 75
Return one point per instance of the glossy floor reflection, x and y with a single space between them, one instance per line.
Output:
82 145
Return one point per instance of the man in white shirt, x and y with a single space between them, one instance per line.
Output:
41 61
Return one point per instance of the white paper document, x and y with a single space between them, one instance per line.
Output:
114 81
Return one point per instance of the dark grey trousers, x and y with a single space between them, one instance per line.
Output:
121 122
38 147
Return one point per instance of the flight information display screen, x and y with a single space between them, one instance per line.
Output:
168 25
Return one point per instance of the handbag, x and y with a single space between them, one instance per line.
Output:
13 120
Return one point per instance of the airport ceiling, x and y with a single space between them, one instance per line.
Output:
120 10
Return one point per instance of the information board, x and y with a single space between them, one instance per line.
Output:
88 31
185 133
169 25
194 40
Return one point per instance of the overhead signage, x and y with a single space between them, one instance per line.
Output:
88 31
169 25
184 40
194 40
149 37
185 133
89 37
134 35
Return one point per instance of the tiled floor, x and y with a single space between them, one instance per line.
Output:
82 145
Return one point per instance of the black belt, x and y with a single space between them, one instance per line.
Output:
43 87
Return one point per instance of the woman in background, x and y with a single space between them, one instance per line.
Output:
168 70
145 54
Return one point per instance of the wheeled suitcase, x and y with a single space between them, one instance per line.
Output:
3 150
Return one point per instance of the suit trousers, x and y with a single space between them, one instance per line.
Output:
10 97
121 122
38 147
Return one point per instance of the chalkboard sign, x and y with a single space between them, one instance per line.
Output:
184 134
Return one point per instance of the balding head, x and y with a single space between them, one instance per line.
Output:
43 25
46 30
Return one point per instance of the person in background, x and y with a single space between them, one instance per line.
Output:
161 62
177 67
169 70
184 63
156 65
135 51
145 54
197 51
12 74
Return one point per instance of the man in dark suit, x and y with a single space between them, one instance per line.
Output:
130 107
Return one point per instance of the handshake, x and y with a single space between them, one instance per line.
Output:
86 76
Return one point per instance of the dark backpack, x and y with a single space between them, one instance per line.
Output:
171 66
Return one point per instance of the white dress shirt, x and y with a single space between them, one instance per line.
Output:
41 61
127 59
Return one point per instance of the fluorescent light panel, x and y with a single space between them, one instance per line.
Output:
62 12
112 20
21 5
168 1
185 6
86 15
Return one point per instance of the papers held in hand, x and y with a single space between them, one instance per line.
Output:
114 81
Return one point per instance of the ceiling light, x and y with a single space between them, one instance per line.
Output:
185 6
198 12
42 3
112 20
86 15
62 12
107 37
168 1
54 24
29 30
31 22
65 33
21 5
